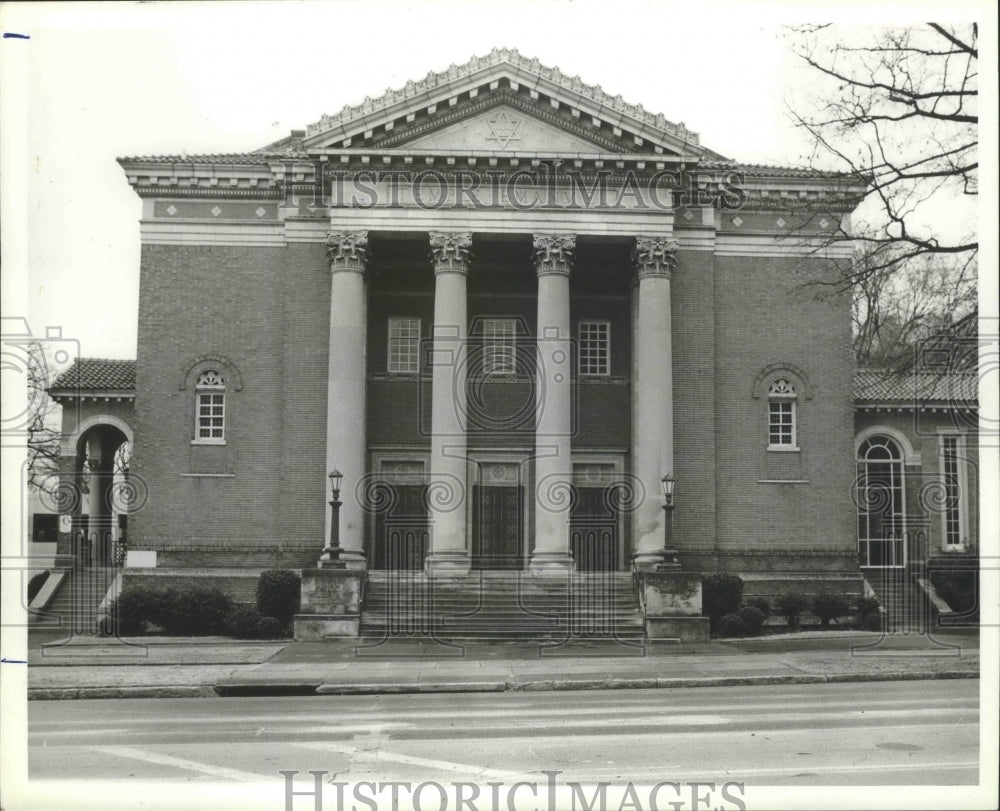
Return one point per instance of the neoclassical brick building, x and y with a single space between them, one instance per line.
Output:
504 304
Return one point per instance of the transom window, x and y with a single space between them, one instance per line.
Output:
210 407
781 416
499 347
594 347
404 345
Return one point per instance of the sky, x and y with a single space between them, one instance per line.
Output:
101 81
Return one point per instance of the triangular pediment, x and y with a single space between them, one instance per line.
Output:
505 128
502 102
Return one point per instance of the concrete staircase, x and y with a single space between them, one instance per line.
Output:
498 606
73 608
908 609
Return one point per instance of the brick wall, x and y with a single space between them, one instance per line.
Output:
767 311
265 311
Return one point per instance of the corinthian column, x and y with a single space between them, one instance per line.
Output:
347 252
446 494
653 449
553 406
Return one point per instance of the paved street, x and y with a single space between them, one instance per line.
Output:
883 733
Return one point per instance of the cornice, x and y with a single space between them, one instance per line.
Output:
434 84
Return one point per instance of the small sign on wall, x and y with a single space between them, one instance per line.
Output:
65 523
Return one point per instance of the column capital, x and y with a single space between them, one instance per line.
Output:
554 253
451 251
654 256
347 251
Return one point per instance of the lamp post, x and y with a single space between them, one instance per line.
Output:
670 560
330 558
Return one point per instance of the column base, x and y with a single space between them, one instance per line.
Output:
353 559
447 564
648 561
543 563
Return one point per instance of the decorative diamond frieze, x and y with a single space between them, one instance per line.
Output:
216 211
171 210
737 221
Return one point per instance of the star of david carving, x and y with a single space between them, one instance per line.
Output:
503 129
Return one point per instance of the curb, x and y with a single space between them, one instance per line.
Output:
499 686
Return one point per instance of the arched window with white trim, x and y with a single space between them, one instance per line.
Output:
210 408
880 497
782 417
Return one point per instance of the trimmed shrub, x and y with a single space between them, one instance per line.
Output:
243 622
791 606
269 628
829 606
731 625
721 595
35 584
278 594
957 588
196 611
136 608
762 605
872 622
753 620
865 608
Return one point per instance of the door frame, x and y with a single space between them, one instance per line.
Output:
522 460
379 460
617 460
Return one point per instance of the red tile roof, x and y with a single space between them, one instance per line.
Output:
97 374
923 386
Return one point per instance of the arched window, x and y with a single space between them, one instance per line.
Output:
880 500
781 415
210 408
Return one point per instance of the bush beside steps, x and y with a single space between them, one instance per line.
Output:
207 611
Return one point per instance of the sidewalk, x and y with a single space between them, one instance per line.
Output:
207 667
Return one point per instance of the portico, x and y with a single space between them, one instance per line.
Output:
533 514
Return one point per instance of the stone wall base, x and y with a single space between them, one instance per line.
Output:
684 629
320 627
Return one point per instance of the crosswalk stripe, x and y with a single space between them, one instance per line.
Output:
180 763
428 763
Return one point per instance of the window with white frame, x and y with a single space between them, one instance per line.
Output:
499 347
952 473
594 348
781 415
210 407
404 345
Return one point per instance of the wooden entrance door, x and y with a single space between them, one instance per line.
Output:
497 527
594 530
401 533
